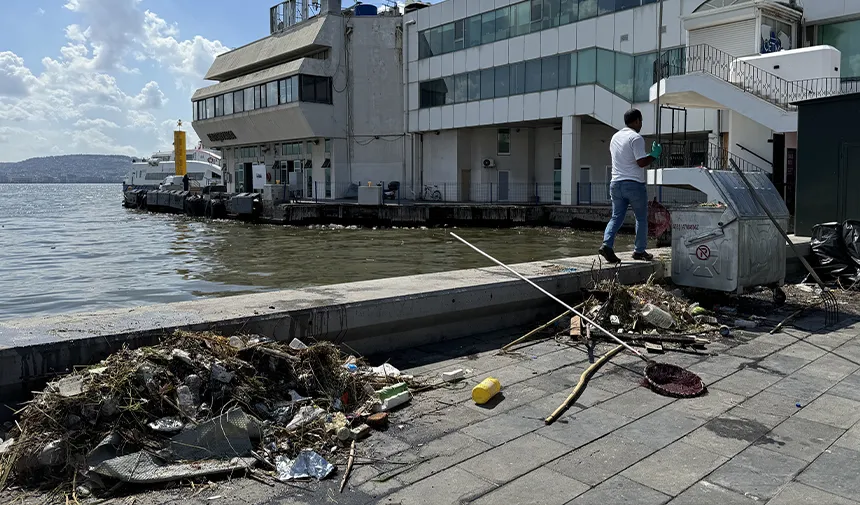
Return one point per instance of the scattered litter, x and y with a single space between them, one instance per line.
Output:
725 331
386 370
52 454
488 388
306 415
453 375
220 374
71 386
297 344
378 420
657 316
615 320
363 431
306 465
797 405
182 356
743 323
393 396
145 468
6 445
167 425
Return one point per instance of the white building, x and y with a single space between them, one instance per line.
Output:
516 101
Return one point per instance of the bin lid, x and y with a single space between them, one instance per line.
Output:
742 202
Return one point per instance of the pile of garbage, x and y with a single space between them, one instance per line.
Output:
199 404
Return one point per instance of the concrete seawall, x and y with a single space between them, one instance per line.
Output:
370 316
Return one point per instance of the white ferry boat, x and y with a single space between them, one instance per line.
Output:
202 165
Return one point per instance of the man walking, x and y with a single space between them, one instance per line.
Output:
627 188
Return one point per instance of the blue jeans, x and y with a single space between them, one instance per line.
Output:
624 194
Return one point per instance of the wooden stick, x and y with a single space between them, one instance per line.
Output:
580 386
539 328
349 463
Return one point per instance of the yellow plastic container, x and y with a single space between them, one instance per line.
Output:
487 389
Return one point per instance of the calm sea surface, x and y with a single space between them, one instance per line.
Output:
71 248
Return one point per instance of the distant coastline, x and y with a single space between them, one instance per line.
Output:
67 169
49 181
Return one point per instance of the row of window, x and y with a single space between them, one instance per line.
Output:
512 21
626 75
305 88
286 149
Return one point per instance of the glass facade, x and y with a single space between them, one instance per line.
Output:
313 89
512 21
844 36
626 75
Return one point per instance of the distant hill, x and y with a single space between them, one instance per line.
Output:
68 168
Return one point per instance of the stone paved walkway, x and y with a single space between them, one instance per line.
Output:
779 425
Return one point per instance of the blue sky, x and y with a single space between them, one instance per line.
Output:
110 76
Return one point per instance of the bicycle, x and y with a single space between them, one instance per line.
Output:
431 192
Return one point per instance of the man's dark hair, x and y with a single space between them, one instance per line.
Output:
631 116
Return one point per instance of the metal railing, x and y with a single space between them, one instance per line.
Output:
748 77
701 153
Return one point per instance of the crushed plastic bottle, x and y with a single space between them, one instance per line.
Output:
488 388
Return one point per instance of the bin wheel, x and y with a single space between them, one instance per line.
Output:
778 297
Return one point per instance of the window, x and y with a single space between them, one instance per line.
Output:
606 69
328 145
195 106
473 31
424 45
315 89
434 93
626 4
643 76
240 178
282 91
257 102
564 70
272 93
844 36
461 88
550 13
249 98
533 76
517 78
238 101
624 76
327 166
228 103
586 69
488 27
459 34
549 73
537 15
474 85
503 20
488 83
210 108
503 142
568 11
448 38
219 105
502 77
448 86
776 35
587 9
435 41
521 17
605 7
292 149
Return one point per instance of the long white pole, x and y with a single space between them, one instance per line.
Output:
659 65
547 293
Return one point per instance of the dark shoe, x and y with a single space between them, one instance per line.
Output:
643 256
608 254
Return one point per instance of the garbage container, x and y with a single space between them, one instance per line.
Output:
730 245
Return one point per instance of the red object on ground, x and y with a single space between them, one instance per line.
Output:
659 219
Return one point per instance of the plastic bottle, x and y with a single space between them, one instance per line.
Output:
487 389
658 317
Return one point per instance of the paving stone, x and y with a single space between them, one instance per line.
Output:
831 340
621 490
515 458
801 387
660 428
618 380
383 445
601 459
453 486
488 362
440 454
771 403
769 420
575 429
708 406
509 375
636 402
504 427
508 398
563 382
706 493
540 487
674 468
558 360
747 382
755 349
833 410
803 350
720 366
851 438
796 493
539 409
727 434
376 485
757 472
836 471
433 425
850 351
800 438
830 367
782 364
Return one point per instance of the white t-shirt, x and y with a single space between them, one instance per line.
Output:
626 147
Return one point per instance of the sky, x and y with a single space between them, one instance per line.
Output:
110 76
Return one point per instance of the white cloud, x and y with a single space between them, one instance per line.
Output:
40 11
75 103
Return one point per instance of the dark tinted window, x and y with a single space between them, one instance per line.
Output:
488 30
533 76
474 85
448 38
488 84
549 73
517 77
473 31
461 88
502 77
459 34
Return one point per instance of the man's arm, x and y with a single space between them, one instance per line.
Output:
643 159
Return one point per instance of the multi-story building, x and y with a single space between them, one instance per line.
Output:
515 101
318 103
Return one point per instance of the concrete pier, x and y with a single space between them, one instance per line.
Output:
370 316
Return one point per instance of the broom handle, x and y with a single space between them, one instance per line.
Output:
659 67
580 386
547 293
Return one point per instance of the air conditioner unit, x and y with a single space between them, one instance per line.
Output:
489 163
